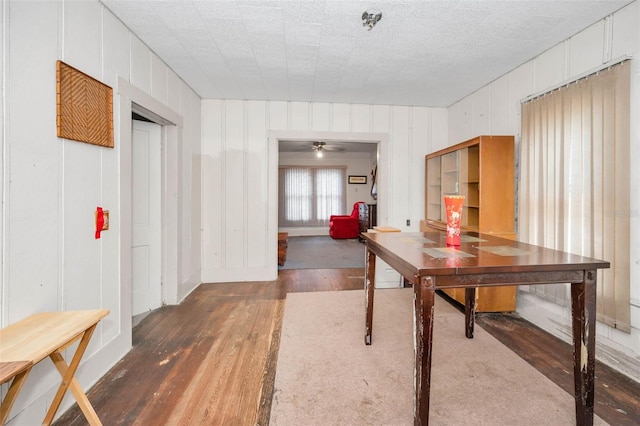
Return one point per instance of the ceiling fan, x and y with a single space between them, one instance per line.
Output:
321 146
314 146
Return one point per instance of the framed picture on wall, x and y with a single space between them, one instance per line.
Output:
361 180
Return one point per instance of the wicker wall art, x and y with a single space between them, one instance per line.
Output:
84 110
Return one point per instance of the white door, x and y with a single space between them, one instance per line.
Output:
146 154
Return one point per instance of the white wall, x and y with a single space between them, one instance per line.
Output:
51 187
495 109
240 160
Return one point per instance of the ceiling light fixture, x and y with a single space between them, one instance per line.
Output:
318 146
370 18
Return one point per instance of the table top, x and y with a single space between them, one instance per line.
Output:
426 253
8 370
35 337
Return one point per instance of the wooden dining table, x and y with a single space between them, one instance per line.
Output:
25 343
484 260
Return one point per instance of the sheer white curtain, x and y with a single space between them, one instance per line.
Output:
574 182
308 196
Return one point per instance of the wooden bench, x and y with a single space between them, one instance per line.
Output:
29 341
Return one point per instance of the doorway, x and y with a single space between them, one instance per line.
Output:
348 150
132 100
146 238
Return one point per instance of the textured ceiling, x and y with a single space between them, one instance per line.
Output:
428 53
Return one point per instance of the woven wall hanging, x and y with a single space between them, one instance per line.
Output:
84 107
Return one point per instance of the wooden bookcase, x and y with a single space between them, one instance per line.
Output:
481 169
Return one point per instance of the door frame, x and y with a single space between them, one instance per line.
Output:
383 163
132 99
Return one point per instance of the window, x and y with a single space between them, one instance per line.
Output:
310 195
574 187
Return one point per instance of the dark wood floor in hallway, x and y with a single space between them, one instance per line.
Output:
211 360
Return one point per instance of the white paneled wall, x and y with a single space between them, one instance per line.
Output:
495 109
51 260
239 169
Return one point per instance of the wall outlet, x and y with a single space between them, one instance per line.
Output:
408 222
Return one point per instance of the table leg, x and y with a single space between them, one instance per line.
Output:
10 397
424 295
68 380
369 289
469 311
583 313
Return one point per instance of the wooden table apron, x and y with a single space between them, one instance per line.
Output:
484 260
29 341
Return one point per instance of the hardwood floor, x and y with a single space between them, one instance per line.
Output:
211 360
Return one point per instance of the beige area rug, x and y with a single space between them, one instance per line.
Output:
326 375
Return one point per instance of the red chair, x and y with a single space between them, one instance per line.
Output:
345 226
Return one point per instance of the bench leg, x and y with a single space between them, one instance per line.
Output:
68 381
10 397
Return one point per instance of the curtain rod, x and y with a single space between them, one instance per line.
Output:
578 78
